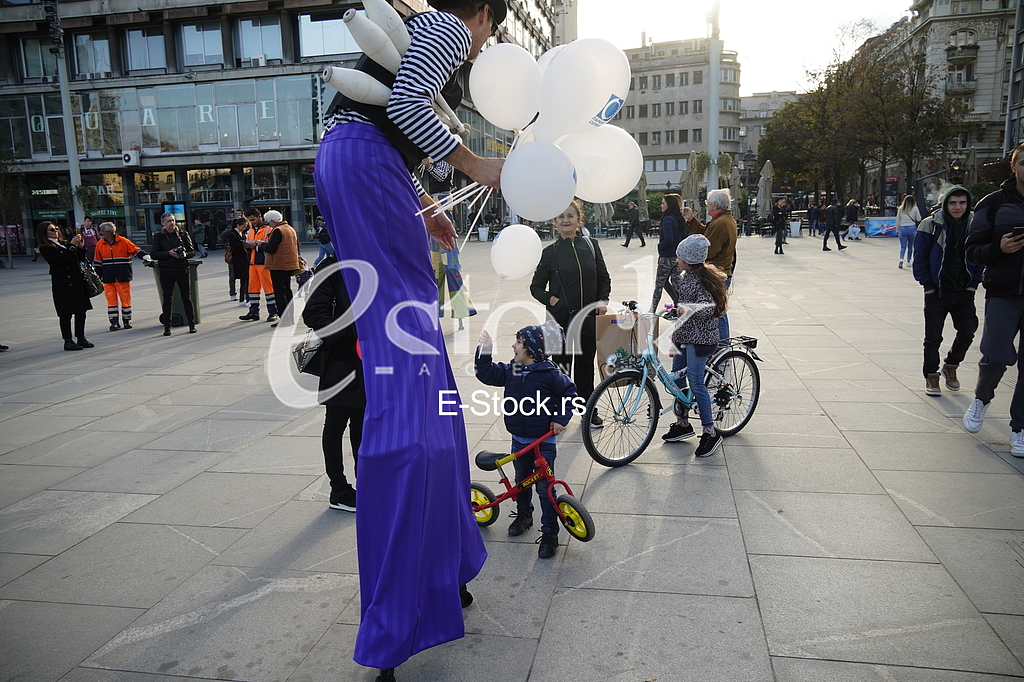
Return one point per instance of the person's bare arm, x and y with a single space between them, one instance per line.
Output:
486 171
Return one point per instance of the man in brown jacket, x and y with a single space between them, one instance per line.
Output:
721 232
282 258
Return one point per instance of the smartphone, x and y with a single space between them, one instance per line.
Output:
1018 231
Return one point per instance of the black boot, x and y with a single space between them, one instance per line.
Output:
465 596
386 675
85 344
167 330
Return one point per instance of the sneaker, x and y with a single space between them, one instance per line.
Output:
343 499
71 345
949 374
249 316
85 344
192 329
3 348
596 421
678 432
548 542
825 248
1017 443
931 384
167 331
233 297
522 523
841 247
900 265
975 415
273 319
708 444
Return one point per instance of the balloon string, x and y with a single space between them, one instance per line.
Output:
496 293
451 199
476 218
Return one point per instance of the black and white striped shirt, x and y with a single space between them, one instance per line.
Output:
440 44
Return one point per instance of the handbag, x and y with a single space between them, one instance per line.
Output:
305 354
227 255
91 279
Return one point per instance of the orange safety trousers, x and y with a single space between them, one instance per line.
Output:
259 278
114 291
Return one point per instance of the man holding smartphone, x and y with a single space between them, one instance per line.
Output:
996 240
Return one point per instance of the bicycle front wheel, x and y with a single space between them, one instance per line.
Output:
734 385
577 519
629 409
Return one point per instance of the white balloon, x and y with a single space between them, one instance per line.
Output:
505 85
608 162
538 181
546 58
584 85
515 252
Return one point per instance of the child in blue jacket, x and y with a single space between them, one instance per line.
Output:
538 397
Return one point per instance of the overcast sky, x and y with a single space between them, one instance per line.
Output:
777 42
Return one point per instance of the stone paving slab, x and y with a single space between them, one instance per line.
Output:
203 502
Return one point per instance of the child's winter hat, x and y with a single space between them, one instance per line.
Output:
693 249
538 338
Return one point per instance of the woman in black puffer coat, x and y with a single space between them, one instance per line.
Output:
571 279
66 281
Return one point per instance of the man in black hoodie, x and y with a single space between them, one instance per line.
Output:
950 282
996 240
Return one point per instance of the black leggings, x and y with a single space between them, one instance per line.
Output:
65 325
334 428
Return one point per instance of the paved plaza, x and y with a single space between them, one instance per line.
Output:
163 515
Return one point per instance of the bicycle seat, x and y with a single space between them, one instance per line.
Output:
488 461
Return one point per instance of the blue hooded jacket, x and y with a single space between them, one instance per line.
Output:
930 245
528 384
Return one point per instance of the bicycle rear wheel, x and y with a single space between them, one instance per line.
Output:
630 413
734 395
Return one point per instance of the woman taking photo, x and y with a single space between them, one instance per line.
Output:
907 218
571 279
673 231
66 281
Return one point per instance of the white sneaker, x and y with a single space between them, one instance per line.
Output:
1017 443
975 415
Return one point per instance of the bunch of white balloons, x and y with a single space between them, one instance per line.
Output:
558 107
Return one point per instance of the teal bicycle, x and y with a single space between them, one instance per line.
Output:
629 403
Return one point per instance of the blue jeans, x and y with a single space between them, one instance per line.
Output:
325 250
524 500
723 321
907 235
695 377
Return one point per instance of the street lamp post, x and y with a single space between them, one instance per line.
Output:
70 143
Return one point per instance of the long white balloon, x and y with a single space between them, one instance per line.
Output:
384 15
356 85
372 40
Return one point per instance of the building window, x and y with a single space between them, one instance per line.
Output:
659 165
730 76
14 128
655 110
729 133
258 39
960 73
684 136
92 53
729 104
642 111
146 49
629 111
323 37
698 135
743 131
649 166
698 106
698 77
684 78
201 44
642 139
670 137
670 80
670 108
37 59
656 82
963 37
684 108
643 82
681 164
656 137
963 7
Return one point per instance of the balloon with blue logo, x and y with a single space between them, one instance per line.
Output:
584 86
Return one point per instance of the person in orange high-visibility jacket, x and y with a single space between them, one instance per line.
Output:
113 258
259 276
